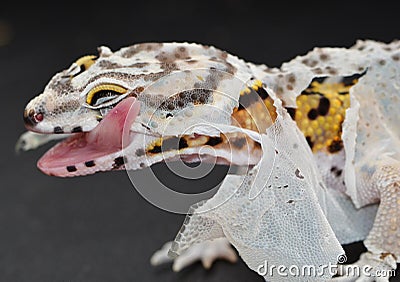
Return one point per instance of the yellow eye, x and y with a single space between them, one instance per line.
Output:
85 62
103 93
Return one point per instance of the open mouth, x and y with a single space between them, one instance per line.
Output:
101 149
80 151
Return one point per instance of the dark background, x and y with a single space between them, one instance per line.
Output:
98 228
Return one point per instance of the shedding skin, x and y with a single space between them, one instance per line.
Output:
343 101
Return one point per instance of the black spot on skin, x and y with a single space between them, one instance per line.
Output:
77 129
323 106
140 152
352 79
182 143
312 114
172 143
145 126
239 142
292 112
335 146
82 69
169 115
310 143
89 163
213 141
155 150
119 162
290 201
336 171
298 174
58 129
71 168
246 100
194 96
262 93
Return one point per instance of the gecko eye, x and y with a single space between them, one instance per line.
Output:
105 95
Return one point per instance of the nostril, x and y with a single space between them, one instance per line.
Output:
38 117
31 118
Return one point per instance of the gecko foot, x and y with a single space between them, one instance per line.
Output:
31 140
206 252
369 268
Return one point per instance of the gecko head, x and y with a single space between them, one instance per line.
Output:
77 98
140 96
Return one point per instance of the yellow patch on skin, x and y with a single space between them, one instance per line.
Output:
86 61
322 127
196 141
257 116
323 130
245 91
156 143
257 84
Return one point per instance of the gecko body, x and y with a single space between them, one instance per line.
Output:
319 136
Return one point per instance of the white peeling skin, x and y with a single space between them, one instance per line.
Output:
286 207
288 82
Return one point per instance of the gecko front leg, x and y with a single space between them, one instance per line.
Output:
380 262
207 252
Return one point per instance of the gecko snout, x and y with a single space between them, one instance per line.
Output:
31 117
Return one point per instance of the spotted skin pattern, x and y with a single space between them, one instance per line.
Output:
320 112
342 118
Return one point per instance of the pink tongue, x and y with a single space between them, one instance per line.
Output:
106 138
110 131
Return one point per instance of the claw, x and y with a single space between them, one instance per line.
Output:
206 252
161 256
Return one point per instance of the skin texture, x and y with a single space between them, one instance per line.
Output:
317 90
